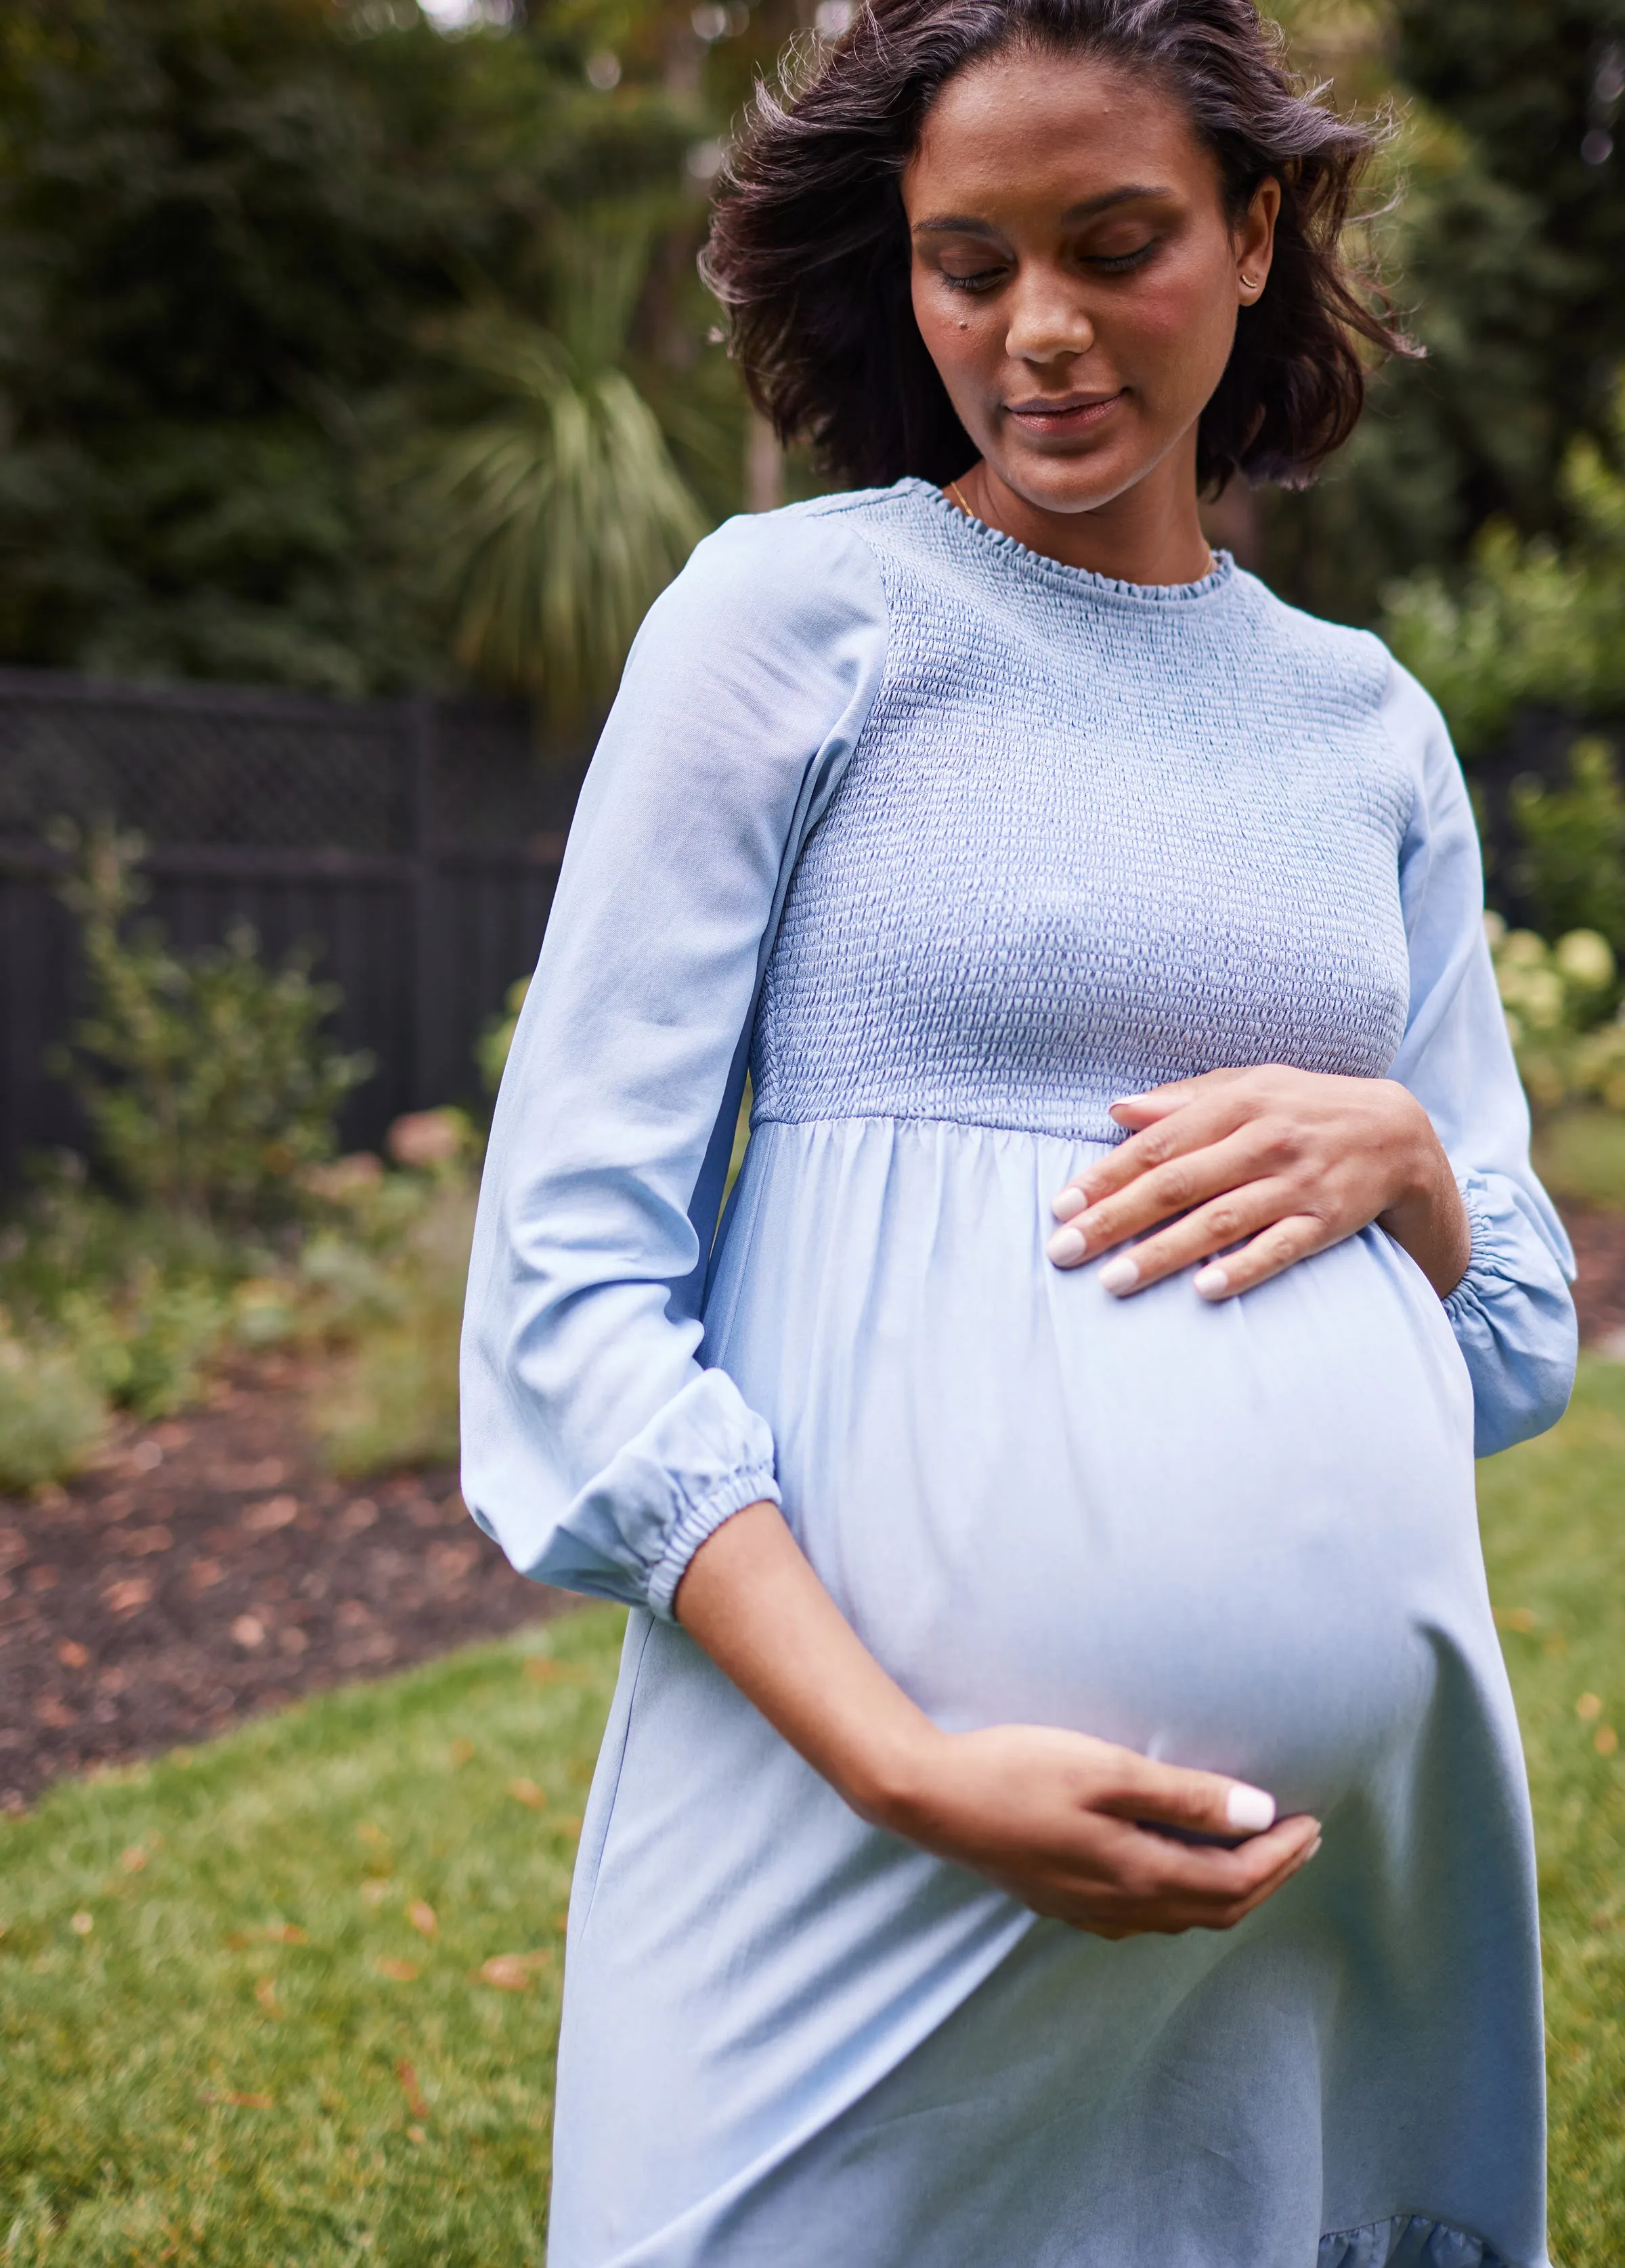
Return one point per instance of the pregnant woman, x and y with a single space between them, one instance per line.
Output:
1062 1806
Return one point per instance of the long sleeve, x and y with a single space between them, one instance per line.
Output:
596 1450
1511 1313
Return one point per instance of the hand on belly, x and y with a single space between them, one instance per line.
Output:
1279 1161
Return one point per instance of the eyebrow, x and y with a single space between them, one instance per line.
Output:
967 223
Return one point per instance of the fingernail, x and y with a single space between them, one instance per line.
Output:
1127 1102
1068 1202
1119 1275
1313 1847
1249 1810
1066 1247
1211 1282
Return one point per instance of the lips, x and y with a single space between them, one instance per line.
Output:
1068 413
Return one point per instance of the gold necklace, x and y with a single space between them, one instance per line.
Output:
954 490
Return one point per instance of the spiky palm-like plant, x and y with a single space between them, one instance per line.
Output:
552 523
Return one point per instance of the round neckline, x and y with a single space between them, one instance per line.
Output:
1218 577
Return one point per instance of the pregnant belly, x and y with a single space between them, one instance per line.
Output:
1234 1536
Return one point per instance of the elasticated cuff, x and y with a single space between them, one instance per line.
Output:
750 1484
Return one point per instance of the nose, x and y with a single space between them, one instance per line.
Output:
1048 319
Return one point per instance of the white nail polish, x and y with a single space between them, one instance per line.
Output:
1119 1275
1066 1247
1249 1810
1067 1203
1211 1282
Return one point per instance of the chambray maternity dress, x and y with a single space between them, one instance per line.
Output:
958 844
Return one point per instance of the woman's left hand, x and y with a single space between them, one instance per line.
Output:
1280 1162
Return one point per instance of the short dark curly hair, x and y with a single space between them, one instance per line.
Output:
809 250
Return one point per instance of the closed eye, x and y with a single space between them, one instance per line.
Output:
1118 263
984 279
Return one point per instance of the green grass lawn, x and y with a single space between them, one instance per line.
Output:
243 2020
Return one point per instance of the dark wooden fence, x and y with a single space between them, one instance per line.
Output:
416 843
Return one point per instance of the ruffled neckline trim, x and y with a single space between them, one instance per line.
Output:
1218 579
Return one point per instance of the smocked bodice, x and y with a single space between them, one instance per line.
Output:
1092 837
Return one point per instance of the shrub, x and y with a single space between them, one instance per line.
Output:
1533 624
207 1078
1570 869
1555 999
51 1417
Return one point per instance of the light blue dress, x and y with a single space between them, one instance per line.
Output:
960 845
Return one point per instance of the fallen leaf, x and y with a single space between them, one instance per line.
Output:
421 1914
461 1752
237 1941
249 1631
1517 1618
292 1640
1588 1706
373 1892
370 1831
53 1712
287 1933
203 1574
124 1598
145 1457
416 2134
71 1654
276 1512
399 1972
133 1859
1606 1740
82 1925
527 1791
141 1543
539 1669
512 1972
413 2093
265 1993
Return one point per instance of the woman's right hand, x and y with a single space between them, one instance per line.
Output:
1062 1822
1068 1825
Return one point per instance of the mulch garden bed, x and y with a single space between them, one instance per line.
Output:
208 1569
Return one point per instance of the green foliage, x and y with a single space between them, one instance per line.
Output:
1504 249
386 1287
1571 869
552 523
230 234
1531 624
1554 998
491 1050
51 1417
207 1078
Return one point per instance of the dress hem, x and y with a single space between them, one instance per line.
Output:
1408 2240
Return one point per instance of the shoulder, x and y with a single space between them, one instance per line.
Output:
801 577
1351 666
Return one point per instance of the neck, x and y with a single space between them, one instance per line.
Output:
1151 534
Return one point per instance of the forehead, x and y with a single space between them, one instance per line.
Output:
1041 127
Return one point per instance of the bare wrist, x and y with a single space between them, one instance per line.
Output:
888 1773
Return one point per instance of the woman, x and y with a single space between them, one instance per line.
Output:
1016 1606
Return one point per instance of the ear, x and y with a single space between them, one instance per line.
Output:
1255 241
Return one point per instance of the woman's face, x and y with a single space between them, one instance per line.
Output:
1075 276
